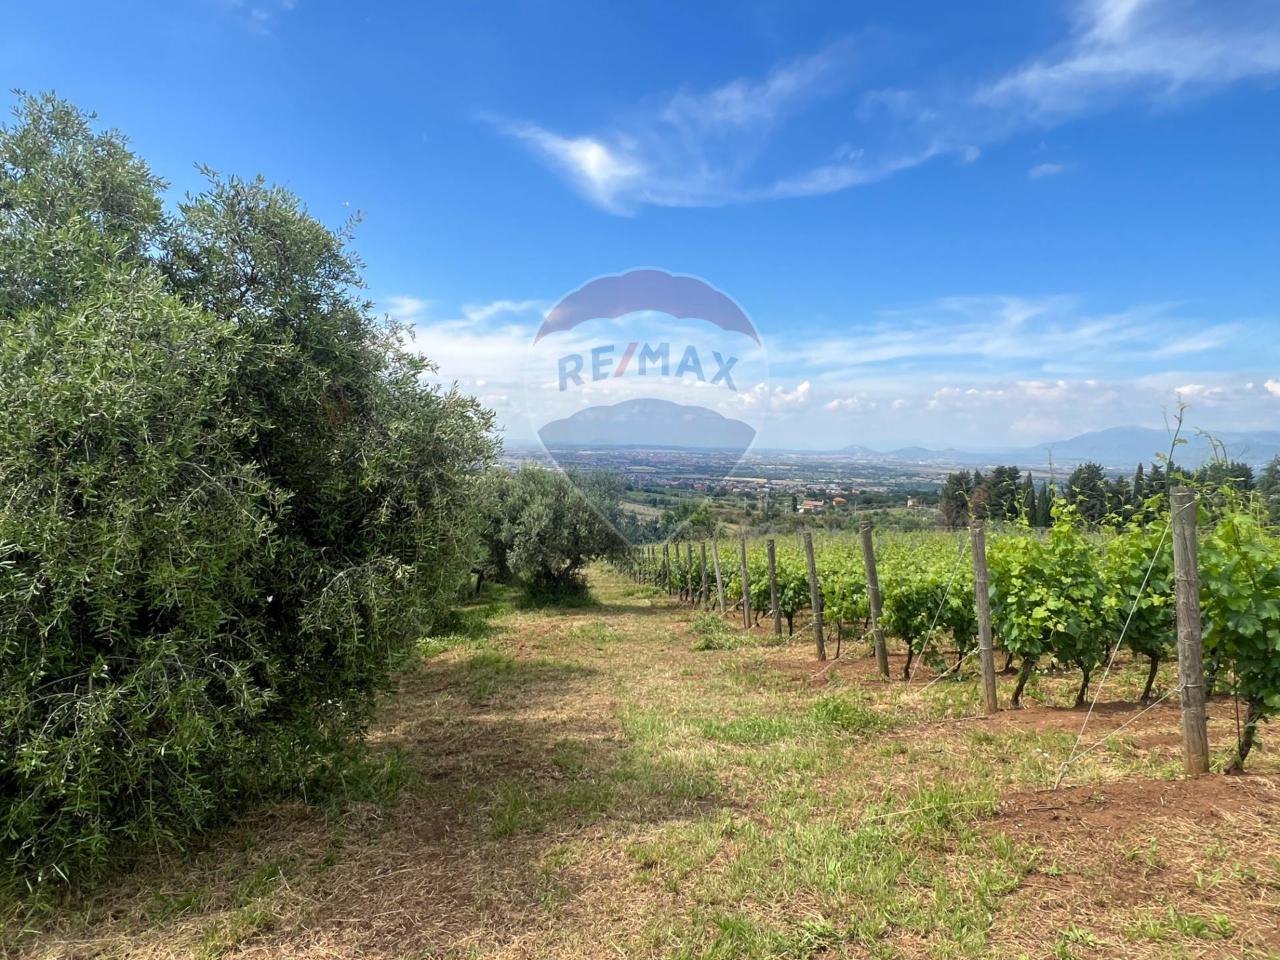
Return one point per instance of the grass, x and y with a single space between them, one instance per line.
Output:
711 632
573 781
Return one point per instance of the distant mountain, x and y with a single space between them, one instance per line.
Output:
1116 447
661 424
1126 446
649 423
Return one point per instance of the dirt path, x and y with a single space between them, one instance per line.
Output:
580 783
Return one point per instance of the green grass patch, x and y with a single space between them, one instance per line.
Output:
749 730
518 807
842 713
597 634
753 673
489 672
917 867
1173 924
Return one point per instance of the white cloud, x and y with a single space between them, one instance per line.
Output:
605 175
1032 336
858 403
1227 394
696 148
965 371
700 148
484 312
746 104
405 309
1164 48
1045 170
776 400
260 16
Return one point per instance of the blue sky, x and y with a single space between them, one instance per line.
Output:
959 224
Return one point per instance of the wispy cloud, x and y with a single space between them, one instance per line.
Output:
484 312
1165 48
1033 335
694 148
608 175
1045 170
1273 387
258 16
405 309
707 148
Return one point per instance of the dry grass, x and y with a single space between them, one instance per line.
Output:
581 783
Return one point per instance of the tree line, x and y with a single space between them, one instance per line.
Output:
1007 493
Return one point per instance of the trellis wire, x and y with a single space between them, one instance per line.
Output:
937 614
1097 692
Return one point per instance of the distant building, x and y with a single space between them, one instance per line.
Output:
812 506
839 501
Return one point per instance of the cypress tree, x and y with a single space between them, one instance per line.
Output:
1044 506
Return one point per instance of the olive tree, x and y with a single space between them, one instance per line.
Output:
232 499
551 530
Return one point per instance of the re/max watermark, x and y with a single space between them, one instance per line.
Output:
650 360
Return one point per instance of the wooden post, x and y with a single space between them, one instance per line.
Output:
666 567
1186 579
815 595
688 570
873 598
772 551
982 597
715 557
746 583
704 596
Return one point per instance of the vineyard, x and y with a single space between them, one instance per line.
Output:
1072 597
300 660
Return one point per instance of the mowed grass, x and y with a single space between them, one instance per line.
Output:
628 778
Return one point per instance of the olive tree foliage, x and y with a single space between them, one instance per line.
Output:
546 529
230 501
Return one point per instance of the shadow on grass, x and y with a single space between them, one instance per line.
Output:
482 765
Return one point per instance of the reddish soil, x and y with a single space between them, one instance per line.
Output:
1114 808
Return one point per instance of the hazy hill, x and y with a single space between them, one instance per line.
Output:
648 423
1113 447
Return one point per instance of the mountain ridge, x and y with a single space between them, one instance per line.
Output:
1111 447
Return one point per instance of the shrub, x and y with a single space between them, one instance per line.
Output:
231 502
130 552
544 530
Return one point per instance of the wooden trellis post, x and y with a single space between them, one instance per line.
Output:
815 595
1186 578
746 583
982 599
873 598
704 596
715 556
772 552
